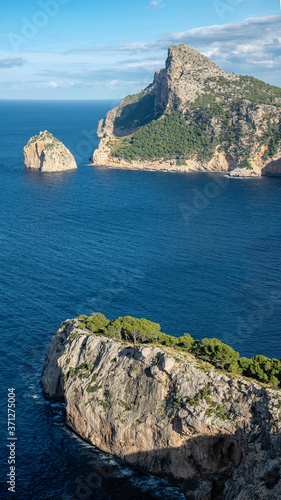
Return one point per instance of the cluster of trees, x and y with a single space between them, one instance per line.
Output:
212 350
245 87
230 123
257 91
272 139
170 136
203 100
126 328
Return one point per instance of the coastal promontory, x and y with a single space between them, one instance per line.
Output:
195 117
192 412
46 153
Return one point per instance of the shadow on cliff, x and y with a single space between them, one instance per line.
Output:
209 461
272 168
200 467
135 115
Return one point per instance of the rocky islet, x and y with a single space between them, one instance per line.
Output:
45 153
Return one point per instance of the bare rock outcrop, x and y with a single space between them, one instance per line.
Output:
220 163
169 414
46 153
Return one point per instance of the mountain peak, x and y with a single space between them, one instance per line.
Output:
184 77
187 57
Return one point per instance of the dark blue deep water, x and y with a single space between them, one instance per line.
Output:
197 253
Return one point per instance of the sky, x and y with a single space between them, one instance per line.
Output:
105 49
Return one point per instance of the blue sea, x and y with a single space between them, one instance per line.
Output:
198 253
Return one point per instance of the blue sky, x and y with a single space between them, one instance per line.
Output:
70 49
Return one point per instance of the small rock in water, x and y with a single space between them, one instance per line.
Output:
46 153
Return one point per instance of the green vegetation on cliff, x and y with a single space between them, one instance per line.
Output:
171 136
217 120
244 87
222 356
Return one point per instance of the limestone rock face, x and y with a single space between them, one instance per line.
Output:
245 172
240 125
220 163
46 153
101 154
181 81
169 414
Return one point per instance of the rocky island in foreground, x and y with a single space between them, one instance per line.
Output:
173 407
195 117
46 153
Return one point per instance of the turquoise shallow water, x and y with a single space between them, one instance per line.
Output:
198 253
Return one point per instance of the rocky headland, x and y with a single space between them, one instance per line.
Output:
46 153
214 434
195 117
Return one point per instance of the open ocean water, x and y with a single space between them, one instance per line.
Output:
197 253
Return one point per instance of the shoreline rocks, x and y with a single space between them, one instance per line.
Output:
220 163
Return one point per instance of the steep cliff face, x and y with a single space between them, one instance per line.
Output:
218 121
181 81
168 413
46 153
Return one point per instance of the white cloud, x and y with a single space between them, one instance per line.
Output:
141 72
11 62
253 39
156 4
133 48
237 47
